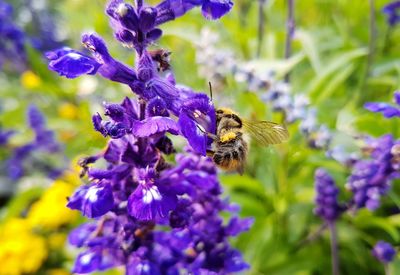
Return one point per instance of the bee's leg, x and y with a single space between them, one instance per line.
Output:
210 153
212 136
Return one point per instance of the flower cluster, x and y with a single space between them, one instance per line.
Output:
33 153
371 178
384 252
391 10
42 230
296 107
327 205
151 216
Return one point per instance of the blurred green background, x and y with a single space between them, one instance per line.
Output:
329 64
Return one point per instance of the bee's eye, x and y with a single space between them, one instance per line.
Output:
220 112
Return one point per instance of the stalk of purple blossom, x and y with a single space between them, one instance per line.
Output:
391 11
327 205
385 253
139 191
329 209
290 28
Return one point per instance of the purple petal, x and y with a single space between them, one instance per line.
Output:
35 118
237 226
397 96
384 252
87 262
111 69
387 110
147 19
214 9
81 234
93 201
154 34
155 125
151 202
72 64
190 130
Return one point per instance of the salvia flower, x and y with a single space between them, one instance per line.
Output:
32 152
327 205
384 252
371 179
386 109
151 217
392 12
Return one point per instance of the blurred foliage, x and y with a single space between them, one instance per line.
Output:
331 49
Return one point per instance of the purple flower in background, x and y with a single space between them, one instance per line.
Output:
12 39
152 217
5 136
392 11
32 152
371 179
211 9
387 110
327 205
384 252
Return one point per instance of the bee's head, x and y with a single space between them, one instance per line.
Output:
224 111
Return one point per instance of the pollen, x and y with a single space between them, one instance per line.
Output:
227 137
197 114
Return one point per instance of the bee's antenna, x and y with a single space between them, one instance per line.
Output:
211 94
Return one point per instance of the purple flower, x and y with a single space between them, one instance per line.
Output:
214 9
371 179
92 200
5 136
391 10
387 110
384 252
12 39
196 119
211 9
327 205
150 200
33 151
70 63
152 216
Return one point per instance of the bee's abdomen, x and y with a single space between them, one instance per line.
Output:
232 157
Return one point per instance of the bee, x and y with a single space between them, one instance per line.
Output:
229 149
161 57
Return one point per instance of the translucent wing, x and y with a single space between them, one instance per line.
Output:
266 132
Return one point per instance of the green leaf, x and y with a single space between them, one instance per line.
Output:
337 63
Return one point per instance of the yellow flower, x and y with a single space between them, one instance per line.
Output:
68 111
21 251
29 80
50 212
56 241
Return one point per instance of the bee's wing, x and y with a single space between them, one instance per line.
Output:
266 132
